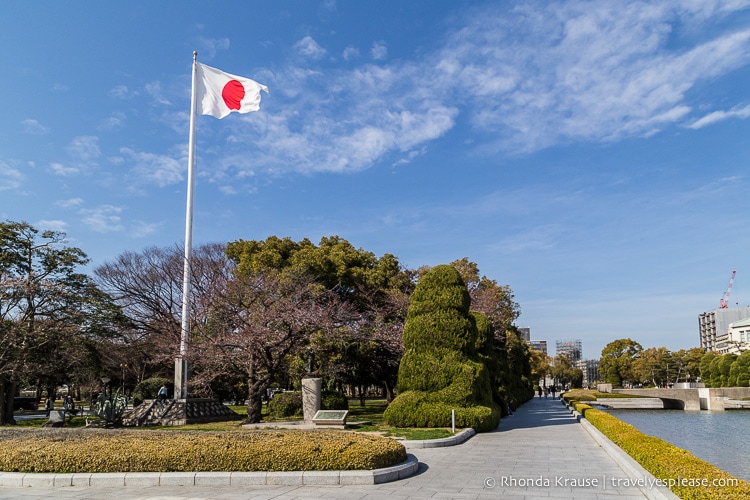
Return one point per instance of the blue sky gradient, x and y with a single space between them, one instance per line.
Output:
592 155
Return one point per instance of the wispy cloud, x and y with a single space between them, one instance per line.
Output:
718 116
379 51
309 48
33 127
123 92
527 78
152 168
52 225
103 219
69 203
10 177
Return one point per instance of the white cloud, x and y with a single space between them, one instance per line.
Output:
379 51
103 219
150 168
69 203
309 48
85 148
526 77
33 127
350 53
114 121
209 47
154 90
10 177
62 170
717 116
141 229
123 92
52 225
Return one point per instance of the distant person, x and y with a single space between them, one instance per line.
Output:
162 395
552 390
539 390
49 404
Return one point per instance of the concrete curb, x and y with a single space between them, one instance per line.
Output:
633 469
459 438
294 478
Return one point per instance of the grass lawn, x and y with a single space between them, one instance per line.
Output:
371 416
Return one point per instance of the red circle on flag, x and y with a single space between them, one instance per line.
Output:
233 93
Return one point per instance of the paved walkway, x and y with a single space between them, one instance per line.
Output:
540 452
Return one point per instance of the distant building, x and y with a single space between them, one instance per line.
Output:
539 345
590 369
525 333
714 324
572 349
736 340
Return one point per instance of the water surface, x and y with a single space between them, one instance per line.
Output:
722 438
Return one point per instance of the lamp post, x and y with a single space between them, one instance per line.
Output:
123 367
105 381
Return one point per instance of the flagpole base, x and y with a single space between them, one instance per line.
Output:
180 378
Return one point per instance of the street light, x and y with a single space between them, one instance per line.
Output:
123 367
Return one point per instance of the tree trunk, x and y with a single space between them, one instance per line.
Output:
254 403
388 390
7 392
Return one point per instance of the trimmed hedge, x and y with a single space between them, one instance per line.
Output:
441 369
90 450
662 459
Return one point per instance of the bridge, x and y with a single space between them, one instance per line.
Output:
716 399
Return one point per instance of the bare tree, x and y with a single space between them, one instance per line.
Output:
259 322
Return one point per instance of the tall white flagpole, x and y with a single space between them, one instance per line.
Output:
181 364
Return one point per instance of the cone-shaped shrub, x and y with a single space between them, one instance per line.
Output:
441 370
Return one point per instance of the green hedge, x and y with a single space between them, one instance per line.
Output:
289 404
678 468
88 450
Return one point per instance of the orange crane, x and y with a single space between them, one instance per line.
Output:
724 302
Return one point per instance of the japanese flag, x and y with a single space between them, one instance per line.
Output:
219 93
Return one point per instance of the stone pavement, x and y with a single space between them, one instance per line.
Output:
540 452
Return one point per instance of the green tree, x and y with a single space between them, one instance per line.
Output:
540 365
617 360
705 367
654 366
497 302
688 363
739 373
440 369
368 352
50 314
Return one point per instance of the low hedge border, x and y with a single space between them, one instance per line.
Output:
90 450
678 468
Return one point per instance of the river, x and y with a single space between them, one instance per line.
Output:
719 437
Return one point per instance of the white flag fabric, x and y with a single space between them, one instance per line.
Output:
219 93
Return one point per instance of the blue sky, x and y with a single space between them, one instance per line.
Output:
591 155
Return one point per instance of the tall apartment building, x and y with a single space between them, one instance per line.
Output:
539 345
713 324
570 348
525 333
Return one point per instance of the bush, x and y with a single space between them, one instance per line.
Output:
89 450
285 405
441 369
149 388
333 400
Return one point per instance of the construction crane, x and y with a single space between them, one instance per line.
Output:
724 302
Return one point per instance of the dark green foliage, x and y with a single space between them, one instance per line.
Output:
149 388
333 400
289 404
420 409
441 369
739 374
285 405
